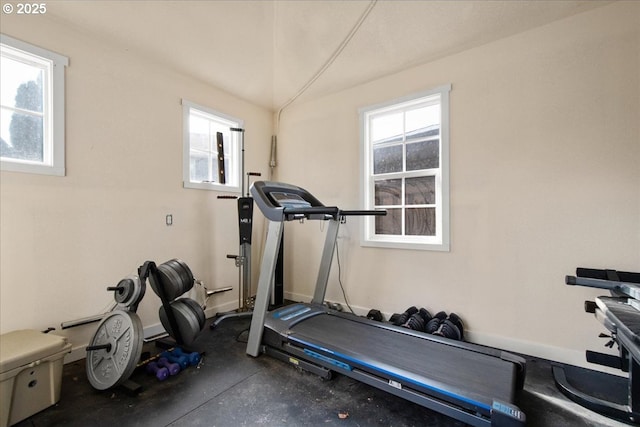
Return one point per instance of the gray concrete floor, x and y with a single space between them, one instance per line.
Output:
232 389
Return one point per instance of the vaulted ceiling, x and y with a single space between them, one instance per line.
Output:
266 51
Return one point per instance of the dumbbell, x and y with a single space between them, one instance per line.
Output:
173 368
180 360
376 315
446 326
193 358
418 321
452 327
160 372
401 319
434 324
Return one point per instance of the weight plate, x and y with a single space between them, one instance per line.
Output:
197 310
186 321
182 283
126 291
107 368
170 282
130 292
185 274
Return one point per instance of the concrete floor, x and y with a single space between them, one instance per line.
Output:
232 389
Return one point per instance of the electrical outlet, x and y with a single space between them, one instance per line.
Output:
169 219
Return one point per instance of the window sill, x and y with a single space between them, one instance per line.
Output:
211 186
31 168
389 244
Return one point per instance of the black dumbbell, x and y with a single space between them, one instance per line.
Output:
452 327
418 321
401 319
434 324
376 315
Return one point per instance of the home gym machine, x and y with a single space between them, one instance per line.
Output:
474 384
620 315
245 230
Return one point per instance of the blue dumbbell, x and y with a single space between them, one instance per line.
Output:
193 358
173 368
180 360
160 372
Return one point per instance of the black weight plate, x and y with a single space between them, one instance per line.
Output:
107 368
186 321
185 284
185 273
170 282
196 309
190 332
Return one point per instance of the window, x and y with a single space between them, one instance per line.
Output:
211 149
31 108
405 170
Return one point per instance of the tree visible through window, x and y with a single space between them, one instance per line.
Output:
25 127
32 108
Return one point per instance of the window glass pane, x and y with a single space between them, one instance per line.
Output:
423 155
21 84
199 133
420 191
422 118
388 192
22 136
423 133
391 223
420 221
387 159
386 127
200 170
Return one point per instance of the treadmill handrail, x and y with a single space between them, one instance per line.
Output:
314 212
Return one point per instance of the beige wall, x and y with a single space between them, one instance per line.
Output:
545 177
65 239
545 148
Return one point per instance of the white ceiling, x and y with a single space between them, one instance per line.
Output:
265 51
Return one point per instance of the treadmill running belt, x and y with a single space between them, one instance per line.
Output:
467 376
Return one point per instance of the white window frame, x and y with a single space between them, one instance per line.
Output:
53 107
235 160
441 240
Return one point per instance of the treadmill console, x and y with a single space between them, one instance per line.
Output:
289 200
285 202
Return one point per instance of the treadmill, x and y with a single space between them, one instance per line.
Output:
474 384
